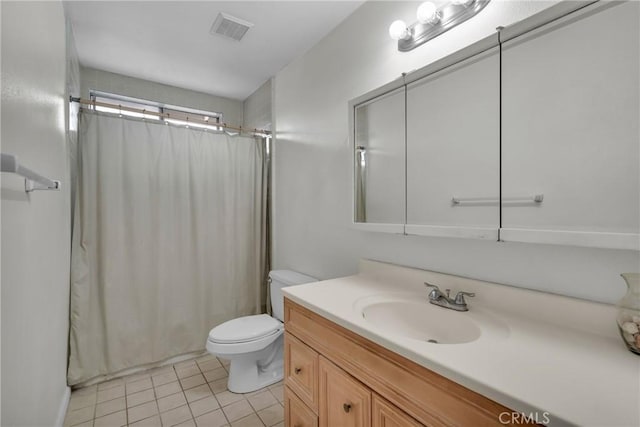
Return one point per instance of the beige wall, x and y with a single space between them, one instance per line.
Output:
91 78
35 226
257 108
312 166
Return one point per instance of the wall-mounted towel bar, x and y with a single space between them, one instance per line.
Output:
537 198
33 181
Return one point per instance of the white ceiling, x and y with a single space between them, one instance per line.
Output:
169 41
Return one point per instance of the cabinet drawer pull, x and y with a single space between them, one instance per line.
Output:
346 407
297 370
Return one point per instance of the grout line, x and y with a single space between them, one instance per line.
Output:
95 407
225 416
126 406
183 390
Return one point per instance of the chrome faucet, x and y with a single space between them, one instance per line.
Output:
458 303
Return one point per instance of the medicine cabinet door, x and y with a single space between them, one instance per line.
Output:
379 161
453 150
570 130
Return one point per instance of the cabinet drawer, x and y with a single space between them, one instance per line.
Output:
296 413
344 401
301 370
384 414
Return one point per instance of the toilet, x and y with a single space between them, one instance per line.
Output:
254 344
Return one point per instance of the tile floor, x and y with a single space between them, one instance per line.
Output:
188 394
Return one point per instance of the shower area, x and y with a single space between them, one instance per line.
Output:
170 234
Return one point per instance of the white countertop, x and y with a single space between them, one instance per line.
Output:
558 355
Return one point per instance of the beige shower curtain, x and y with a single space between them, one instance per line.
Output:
168 241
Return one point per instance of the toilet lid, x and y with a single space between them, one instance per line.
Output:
244 329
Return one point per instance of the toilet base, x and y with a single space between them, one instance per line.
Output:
253 371
246 379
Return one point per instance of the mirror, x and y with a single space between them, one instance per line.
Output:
379 158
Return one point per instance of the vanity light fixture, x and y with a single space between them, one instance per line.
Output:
398 30
427 13
433 21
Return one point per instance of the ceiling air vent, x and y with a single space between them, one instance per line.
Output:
230 26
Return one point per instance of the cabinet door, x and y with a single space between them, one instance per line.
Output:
296 413
387 415
379 136
570 130
301 370
344 401
453 146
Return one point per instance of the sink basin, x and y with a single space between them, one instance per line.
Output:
414 317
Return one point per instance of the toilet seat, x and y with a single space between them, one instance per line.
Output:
244 335
245 329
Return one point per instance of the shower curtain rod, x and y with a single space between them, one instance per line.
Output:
255 132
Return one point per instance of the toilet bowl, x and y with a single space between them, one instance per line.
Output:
254 344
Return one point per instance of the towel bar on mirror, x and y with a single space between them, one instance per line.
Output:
32 180
537 198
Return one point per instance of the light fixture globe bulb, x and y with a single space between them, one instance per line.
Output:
398 30
427 13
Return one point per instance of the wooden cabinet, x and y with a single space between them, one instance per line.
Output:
384 414
296 412
360 383
570 125
343 401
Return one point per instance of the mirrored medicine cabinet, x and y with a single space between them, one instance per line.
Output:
379 146
530 135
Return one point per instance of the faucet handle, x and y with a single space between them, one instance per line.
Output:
435 291
460 297
429 285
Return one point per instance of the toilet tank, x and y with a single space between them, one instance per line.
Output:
279 279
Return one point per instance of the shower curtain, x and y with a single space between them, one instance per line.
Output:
169 241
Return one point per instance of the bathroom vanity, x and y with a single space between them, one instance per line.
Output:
554 360
348 380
